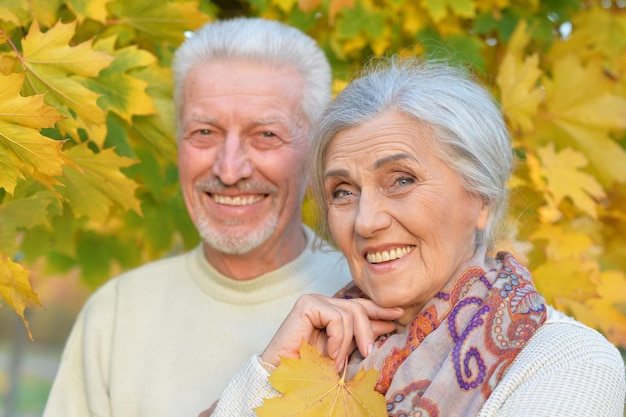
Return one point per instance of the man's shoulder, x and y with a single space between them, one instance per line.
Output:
143 278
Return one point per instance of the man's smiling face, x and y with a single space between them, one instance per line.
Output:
241 154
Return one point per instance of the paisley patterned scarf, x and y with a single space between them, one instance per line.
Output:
452 355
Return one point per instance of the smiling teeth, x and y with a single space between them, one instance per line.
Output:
236 201
385 256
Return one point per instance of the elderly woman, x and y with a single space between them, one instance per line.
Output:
409 166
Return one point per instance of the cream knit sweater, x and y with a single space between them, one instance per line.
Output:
566 369
163 340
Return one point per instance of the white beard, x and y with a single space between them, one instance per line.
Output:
236 243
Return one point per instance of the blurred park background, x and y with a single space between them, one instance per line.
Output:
88 180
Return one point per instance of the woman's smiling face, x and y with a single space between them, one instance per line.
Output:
397 211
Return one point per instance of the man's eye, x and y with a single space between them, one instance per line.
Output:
205 132
268 134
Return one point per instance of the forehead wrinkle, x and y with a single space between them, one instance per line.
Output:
268 121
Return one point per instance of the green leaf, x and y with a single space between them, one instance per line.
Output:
120 91
97 253
158 20
21 214
92 9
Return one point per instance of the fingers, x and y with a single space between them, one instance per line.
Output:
369 322
335 326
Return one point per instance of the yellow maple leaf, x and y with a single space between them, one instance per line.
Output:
24 152
562 244
518 81
15 288
564 179
566 279
311 387
580 102
99 184
59 70
606 313
520 94
599 31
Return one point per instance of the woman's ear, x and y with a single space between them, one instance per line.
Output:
483 215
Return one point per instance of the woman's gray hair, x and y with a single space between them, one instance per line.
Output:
466 122
260 41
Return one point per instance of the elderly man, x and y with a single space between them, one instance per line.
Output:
163 339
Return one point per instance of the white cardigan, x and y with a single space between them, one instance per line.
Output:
566 369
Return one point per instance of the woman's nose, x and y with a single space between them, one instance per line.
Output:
232 163
372 215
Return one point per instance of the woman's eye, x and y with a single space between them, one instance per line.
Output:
341 193
405 181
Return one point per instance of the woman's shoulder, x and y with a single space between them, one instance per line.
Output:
566 365
564 341
563 335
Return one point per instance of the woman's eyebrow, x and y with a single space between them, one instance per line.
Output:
382 161
337 173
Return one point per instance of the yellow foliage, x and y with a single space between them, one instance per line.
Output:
607 312
84 97
521 96
579 101
518 80
24 151
439 9
15 288
311 387
564 179
98 183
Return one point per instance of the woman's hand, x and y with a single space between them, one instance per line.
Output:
335 326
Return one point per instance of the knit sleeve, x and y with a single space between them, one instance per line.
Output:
245 391
567 369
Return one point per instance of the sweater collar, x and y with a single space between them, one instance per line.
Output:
288 279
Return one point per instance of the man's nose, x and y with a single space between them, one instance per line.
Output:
232 163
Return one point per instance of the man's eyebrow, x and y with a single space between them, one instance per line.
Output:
396 157
203 119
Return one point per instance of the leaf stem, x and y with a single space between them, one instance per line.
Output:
17 52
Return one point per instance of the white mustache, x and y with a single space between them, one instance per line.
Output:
215 186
